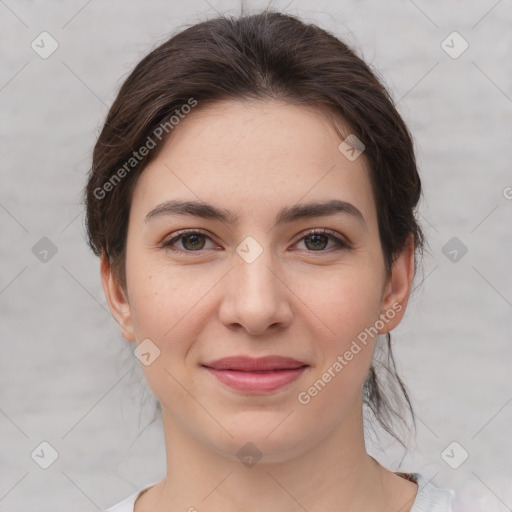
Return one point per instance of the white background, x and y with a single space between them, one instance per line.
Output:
67 376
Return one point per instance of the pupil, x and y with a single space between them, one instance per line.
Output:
316 238
194 238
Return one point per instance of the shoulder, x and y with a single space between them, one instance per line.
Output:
127 505
124 506
428 499
431 498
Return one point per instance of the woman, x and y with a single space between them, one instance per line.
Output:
252 199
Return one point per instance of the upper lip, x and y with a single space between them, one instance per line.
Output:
251 364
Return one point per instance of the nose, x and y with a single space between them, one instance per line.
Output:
256 296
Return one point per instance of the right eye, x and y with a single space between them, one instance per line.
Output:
192 241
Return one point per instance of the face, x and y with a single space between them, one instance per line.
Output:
263 276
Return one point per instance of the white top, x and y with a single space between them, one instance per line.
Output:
428 499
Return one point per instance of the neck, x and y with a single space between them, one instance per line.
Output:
334 473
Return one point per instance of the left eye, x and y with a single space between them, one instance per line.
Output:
318 240
193 241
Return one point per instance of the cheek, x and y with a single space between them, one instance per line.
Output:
347 304
344 301
165 302
166 307
349 307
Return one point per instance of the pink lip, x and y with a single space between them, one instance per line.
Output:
253 364
255 375
257 381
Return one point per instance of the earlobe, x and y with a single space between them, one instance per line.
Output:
117 300
398 288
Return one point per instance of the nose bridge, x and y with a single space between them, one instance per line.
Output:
257 298
254 273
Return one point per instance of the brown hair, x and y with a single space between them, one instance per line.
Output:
263 56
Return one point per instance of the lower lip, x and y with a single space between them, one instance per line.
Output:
254 382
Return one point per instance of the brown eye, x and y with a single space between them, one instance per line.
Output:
194 241
317 241
314 241
190 241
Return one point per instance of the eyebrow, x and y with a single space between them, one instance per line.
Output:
285 215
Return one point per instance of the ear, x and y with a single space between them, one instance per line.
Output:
117 301
398 288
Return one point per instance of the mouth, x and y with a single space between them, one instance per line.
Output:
263 372
265 381
255 364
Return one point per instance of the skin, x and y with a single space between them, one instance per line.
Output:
295 299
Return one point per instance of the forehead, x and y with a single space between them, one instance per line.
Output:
255 154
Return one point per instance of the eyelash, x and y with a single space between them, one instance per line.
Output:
331 235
